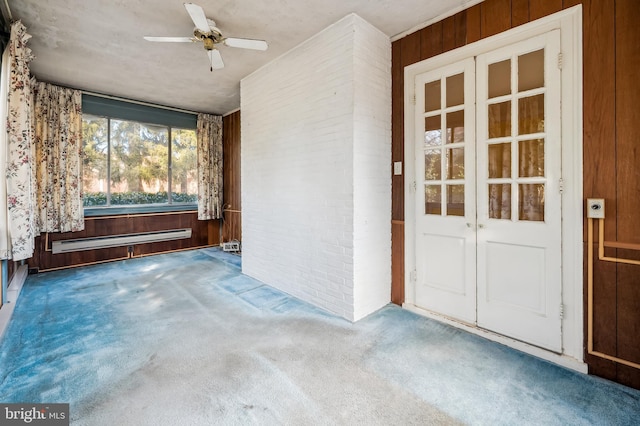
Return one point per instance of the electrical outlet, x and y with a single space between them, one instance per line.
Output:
595 208
397 168
231 246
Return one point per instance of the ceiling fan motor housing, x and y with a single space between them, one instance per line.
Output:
210 39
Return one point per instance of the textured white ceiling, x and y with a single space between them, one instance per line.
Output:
98 46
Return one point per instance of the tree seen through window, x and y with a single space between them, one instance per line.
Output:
129 163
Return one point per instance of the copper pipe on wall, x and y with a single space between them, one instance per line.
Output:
601 245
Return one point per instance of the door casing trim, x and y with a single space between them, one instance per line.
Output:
569 22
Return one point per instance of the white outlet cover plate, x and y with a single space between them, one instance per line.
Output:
595 208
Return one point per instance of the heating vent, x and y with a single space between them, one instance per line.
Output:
93 243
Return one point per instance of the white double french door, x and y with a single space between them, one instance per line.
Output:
488 196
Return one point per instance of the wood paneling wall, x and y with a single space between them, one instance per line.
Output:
232 223
203 233
611 54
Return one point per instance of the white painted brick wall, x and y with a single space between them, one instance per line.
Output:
372 169
315 170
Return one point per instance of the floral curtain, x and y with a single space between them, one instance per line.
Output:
209 134
57 138
19 229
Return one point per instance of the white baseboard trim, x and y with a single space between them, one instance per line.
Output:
13 292
561 360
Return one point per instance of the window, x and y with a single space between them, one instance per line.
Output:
132 163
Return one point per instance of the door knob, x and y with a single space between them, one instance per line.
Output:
480 225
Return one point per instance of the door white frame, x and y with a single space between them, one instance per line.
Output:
569 22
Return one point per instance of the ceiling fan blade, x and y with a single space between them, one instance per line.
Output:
198 17
216 59
246 43
171 39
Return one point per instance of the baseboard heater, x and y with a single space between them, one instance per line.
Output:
93 243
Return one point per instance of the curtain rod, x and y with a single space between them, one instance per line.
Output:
116 98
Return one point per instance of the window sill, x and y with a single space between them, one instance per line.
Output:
137 209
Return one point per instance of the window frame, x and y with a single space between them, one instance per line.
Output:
145 114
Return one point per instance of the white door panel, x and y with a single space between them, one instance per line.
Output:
440 250
445 191
519 200
506 261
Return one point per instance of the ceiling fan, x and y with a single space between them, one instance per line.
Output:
207 32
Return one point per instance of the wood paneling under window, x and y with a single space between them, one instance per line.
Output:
611 53
44 259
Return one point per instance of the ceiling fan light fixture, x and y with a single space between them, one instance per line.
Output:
208 43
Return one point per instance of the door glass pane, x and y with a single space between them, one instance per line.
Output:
432 96
531 115
531 204
455 90
500 160
499 119
500 79
432 131
531 158
455 163
432 164
500 201
432 199
455 127
531 70
455 200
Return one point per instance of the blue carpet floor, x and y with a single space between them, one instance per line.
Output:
185 338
